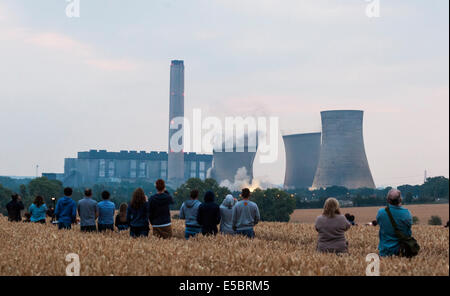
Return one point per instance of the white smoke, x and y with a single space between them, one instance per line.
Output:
242 180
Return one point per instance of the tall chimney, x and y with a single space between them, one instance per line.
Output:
175 174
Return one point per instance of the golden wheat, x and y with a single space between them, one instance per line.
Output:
279 249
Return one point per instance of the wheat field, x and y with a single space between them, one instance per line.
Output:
367 214
279 249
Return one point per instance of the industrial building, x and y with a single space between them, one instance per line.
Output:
94 167
302 157
343 160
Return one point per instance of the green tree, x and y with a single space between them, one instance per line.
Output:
45 188
437 187
274 204
5 198
183 192
336 191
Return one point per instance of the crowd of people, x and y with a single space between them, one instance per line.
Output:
232 217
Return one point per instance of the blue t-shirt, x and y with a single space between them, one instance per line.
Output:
389 243
106 210
37 213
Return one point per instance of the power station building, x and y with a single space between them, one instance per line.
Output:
343 160
175 175
302 158
95 167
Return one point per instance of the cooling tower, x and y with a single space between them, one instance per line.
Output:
302 157
175 166
343 160
226 164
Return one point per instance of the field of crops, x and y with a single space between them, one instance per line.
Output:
279 249
367 214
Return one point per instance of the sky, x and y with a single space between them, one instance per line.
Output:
101 81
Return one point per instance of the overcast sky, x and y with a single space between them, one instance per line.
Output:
101 81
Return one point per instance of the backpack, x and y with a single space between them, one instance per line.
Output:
408 245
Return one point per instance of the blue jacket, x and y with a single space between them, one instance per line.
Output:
389 244
138 218
37 213
66 210
106 210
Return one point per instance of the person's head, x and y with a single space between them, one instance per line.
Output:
245 193
209 196
374 223
160 185
228 201
68 191
194 194
123 210
88 192
39 201
331 208
347 215
105 195
394 197
15 196
138 199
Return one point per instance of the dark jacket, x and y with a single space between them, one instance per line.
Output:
118 222
159 210
138 218
14 207
209 215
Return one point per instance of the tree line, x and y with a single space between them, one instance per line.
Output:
274 204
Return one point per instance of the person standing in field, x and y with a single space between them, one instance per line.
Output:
14 208
88 212
209 215
38 210
137 214
121 218
331 226
245 215
66 210
189 212
159 211
389 243
106 209
226 215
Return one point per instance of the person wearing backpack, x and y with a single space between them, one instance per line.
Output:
389 244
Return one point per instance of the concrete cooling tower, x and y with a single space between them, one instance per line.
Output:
226 164
343 160
302 157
